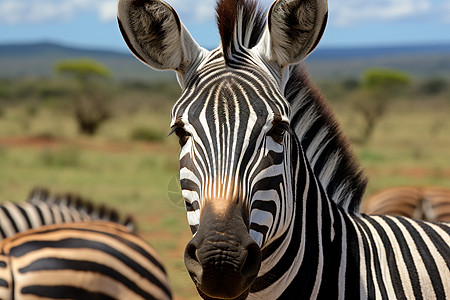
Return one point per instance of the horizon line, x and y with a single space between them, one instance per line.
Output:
124 50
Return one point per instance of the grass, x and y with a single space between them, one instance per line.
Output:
137 177
135 181
406 148
147 134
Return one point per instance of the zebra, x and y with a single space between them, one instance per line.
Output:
87 260
271 189
76 208
42 208
430 203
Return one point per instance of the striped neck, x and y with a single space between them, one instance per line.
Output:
291 255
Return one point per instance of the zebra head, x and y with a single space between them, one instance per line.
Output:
232 122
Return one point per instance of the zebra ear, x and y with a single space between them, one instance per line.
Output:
155 34
294 29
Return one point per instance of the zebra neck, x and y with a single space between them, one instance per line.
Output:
298 255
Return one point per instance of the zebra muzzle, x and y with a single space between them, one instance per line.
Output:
222 259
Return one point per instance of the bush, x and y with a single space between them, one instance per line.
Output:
147 134
350 84
91 112
434 86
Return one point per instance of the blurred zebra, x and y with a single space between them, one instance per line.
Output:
423 203
88 260
42 208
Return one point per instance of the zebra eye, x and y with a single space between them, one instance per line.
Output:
182 134
277 132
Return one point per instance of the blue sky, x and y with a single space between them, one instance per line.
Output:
352 23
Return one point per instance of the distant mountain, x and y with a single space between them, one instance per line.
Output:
31 60
20 50
379 52
419 61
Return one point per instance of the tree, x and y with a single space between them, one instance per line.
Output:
83 69
379 88
90 106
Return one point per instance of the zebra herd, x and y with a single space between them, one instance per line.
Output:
271 187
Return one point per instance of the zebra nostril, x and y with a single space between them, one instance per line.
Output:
191 251
252 261
192 261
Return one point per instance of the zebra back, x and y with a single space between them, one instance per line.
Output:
79 206
43 208
437 203
425 203
88 260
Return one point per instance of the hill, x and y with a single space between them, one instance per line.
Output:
31 60
420 61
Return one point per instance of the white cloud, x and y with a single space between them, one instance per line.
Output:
351 12
107 10
342 12
29 12
203 13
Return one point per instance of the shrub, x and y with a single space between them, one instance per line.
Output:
434 86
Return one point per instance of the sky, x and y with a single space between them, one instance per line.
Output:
352 23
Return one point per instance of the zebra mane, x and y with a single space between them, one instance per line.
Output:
76 202
327 148
241 24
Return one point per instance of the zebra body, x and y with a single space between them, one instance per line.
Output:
327 251
429 203
88 260
271 189
42 208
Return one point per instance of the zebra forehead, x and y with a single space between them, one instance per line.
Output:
231 93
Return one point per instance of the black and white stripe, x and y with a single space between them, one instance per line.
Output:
326 148
89 260
43 208
256 135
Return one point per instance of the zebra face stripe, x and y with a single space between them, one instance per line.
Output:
230 123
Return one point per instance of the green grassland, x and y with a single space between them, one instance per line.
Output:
411 146
40 146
